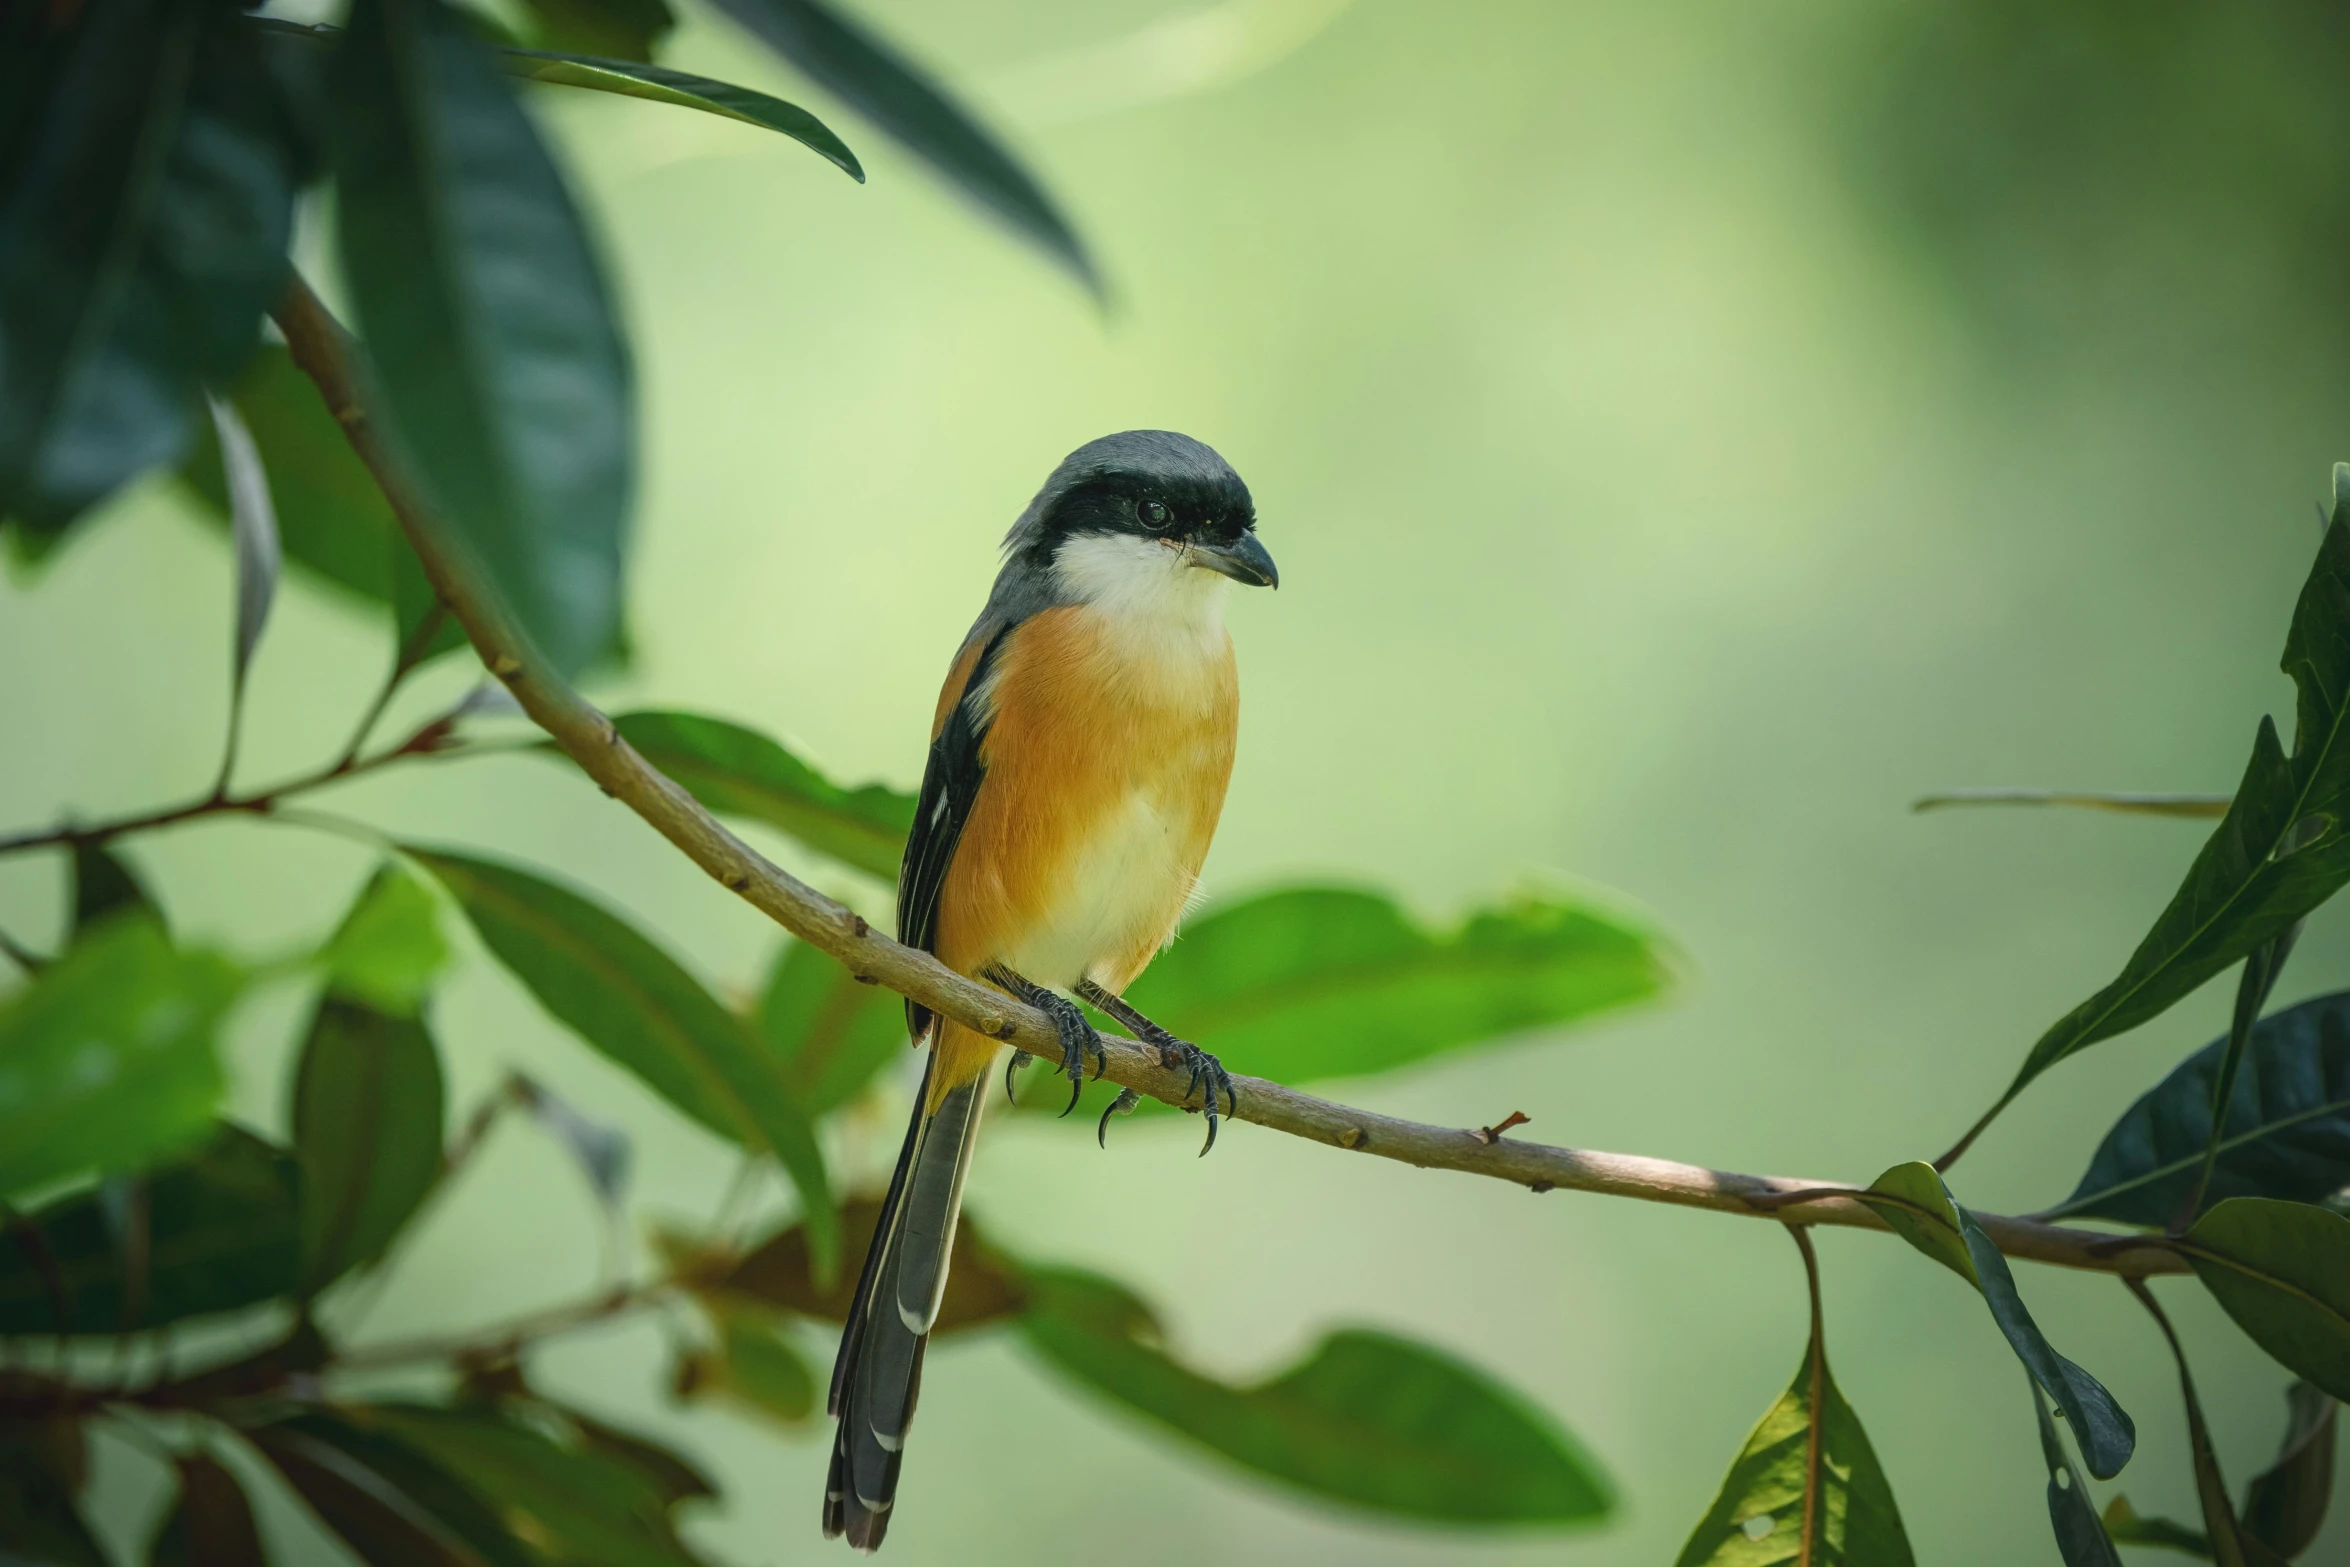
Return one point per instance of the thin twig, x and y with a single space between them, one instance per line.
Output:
321 349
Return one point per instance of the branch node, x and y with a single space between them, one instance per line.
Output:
1489 1135
1354 1137
871 979
506 666
738 881
1539 1187
857 926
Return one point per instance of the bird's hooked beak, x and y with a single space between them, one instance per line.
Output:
1243 560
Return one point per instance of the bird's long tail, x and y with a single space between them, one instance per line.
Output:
878 1374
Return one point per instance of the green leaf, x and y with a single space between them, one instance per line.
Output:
1929 1218
755 1365
622 29
394 1506
503 378
2288 1124
1308 983
635 1005
2282 1270
107 1058
104 886
2280 851
2286 1505
908 105
211 1524
388 952
41 1464
674 1478
576 1507
2125 1525
2080 1538
657 84
2187 805
142 234
738 772
368 1104
212 1232
983 1284
1757 1518
1367 1420
253 532
2225 1536
832 1034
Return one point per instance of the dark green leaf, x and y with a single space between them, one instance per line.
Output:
674 1479
213 1232
2282 1270
1367 1420
658 84
2280 851
252 531
1319 982
738 772
367 1134
392 1504
388 952
104 886
2286 1504
211 1525
909 106
503 378
636 1006
983 1285
2288 1124
2225 1536
2125 1525
621 29
832 1034
2189 805
1757 1518
142 235
576 1507
755 1365
41 1465
2080 1538
1929 1218
107 1058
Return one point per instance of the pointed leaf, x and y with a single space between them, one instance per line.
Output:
1757 1518
2281 850
658 84
2223 1533
503 379
394 1506
902 99
368 1103
104 886
739 772
252 530
1367 1420
2080 1538
1930 1219
2288 1124
211 1525
832 1034
107 1057
2286 1505
2282 1270
2124 1525
983 1284
216 1233
635 1005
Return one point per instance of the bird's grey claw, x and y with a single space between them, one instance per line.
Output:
1122 1105
1020 1058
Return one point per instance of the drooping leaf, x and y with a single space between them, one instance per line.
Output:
983 1285
2288 1124
104 886
252 532
754 1364
2222 1532
739 772
633 1003
368 1103
40 1470
211 1523
910 107
2286 1504
1757 1518
658 84
832 1034
621 29
2080 1538
2282 1270
2125 1525
2280 851
503 379
393 1505
1367 1420
212 1232
143 232
107 1057
1929 1218
389 951
2187 805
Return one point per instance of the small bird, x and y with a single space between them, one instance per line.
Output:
1078 762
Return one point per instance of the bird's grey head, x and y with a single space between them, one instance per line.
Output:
1138 491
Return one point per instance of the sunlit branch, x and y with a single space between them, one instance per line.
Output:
320 347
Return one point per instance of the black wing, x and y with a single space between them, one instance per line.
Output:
950 786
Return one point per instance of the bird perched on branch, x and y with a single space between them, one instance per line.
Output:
1077 767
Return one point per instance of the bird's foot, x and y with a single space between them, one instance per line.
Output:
1079 1042
1122 1105
1019 1059
1175 1055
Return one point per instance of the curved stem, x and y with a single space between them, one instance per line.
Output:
1812 1442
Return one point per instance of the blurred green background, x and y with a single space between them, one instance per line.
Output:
1687 433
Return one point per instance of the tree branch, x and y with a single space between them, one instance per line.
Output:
327 356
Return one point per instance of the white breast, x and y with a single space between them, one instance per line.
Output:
1162 618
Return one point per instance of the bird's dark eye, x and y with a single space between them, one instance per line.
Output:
1153 515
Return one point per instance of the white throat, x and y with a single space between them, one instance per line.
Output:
1148 590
